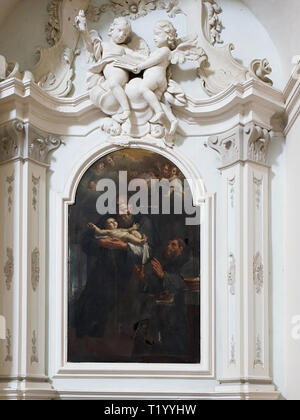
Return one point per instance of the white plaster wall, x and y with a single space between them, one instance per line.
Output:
292 262
22 32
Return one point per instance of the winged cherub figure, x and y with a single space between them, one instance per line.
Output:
170 51
106 53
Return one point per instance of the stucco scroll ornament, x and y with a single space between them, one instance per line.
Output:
221 70
41 147
231 275
141 106
12 69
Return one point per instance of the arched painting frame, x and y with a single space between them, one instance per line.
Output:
203 367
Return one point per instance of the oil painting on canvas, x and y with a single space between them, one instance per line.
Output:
134 275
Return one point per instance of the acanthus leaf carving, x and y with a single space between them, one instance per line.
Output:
9 268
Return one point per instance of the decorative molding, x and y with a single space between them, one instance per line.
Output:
9 268
231 275
35 191
258 190
8 357
258 141
10 190
249 143
258 273
258 353
34 356
214 26
53 25
231 185
35 268
232 359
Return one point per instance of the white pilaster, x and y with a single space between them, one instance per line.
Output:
23 261
245 262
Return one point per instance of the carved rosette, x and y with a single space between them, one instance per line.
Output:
35 268
8 357
9 268
34 349
258 273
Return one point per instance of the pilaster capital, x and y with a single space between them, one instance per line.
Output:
19 140
242 144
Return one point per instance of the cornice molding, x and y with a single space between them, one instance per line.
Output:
241 103
291 96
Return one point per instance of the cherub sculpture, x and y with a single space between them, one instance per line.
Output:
105 54
141 105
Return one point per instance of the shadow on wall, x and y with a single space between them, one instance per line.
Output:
2 327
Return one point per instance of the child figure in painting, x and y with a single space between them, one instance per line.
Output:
135 240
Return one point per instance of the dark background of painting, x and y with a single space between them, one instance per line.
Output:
117 345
